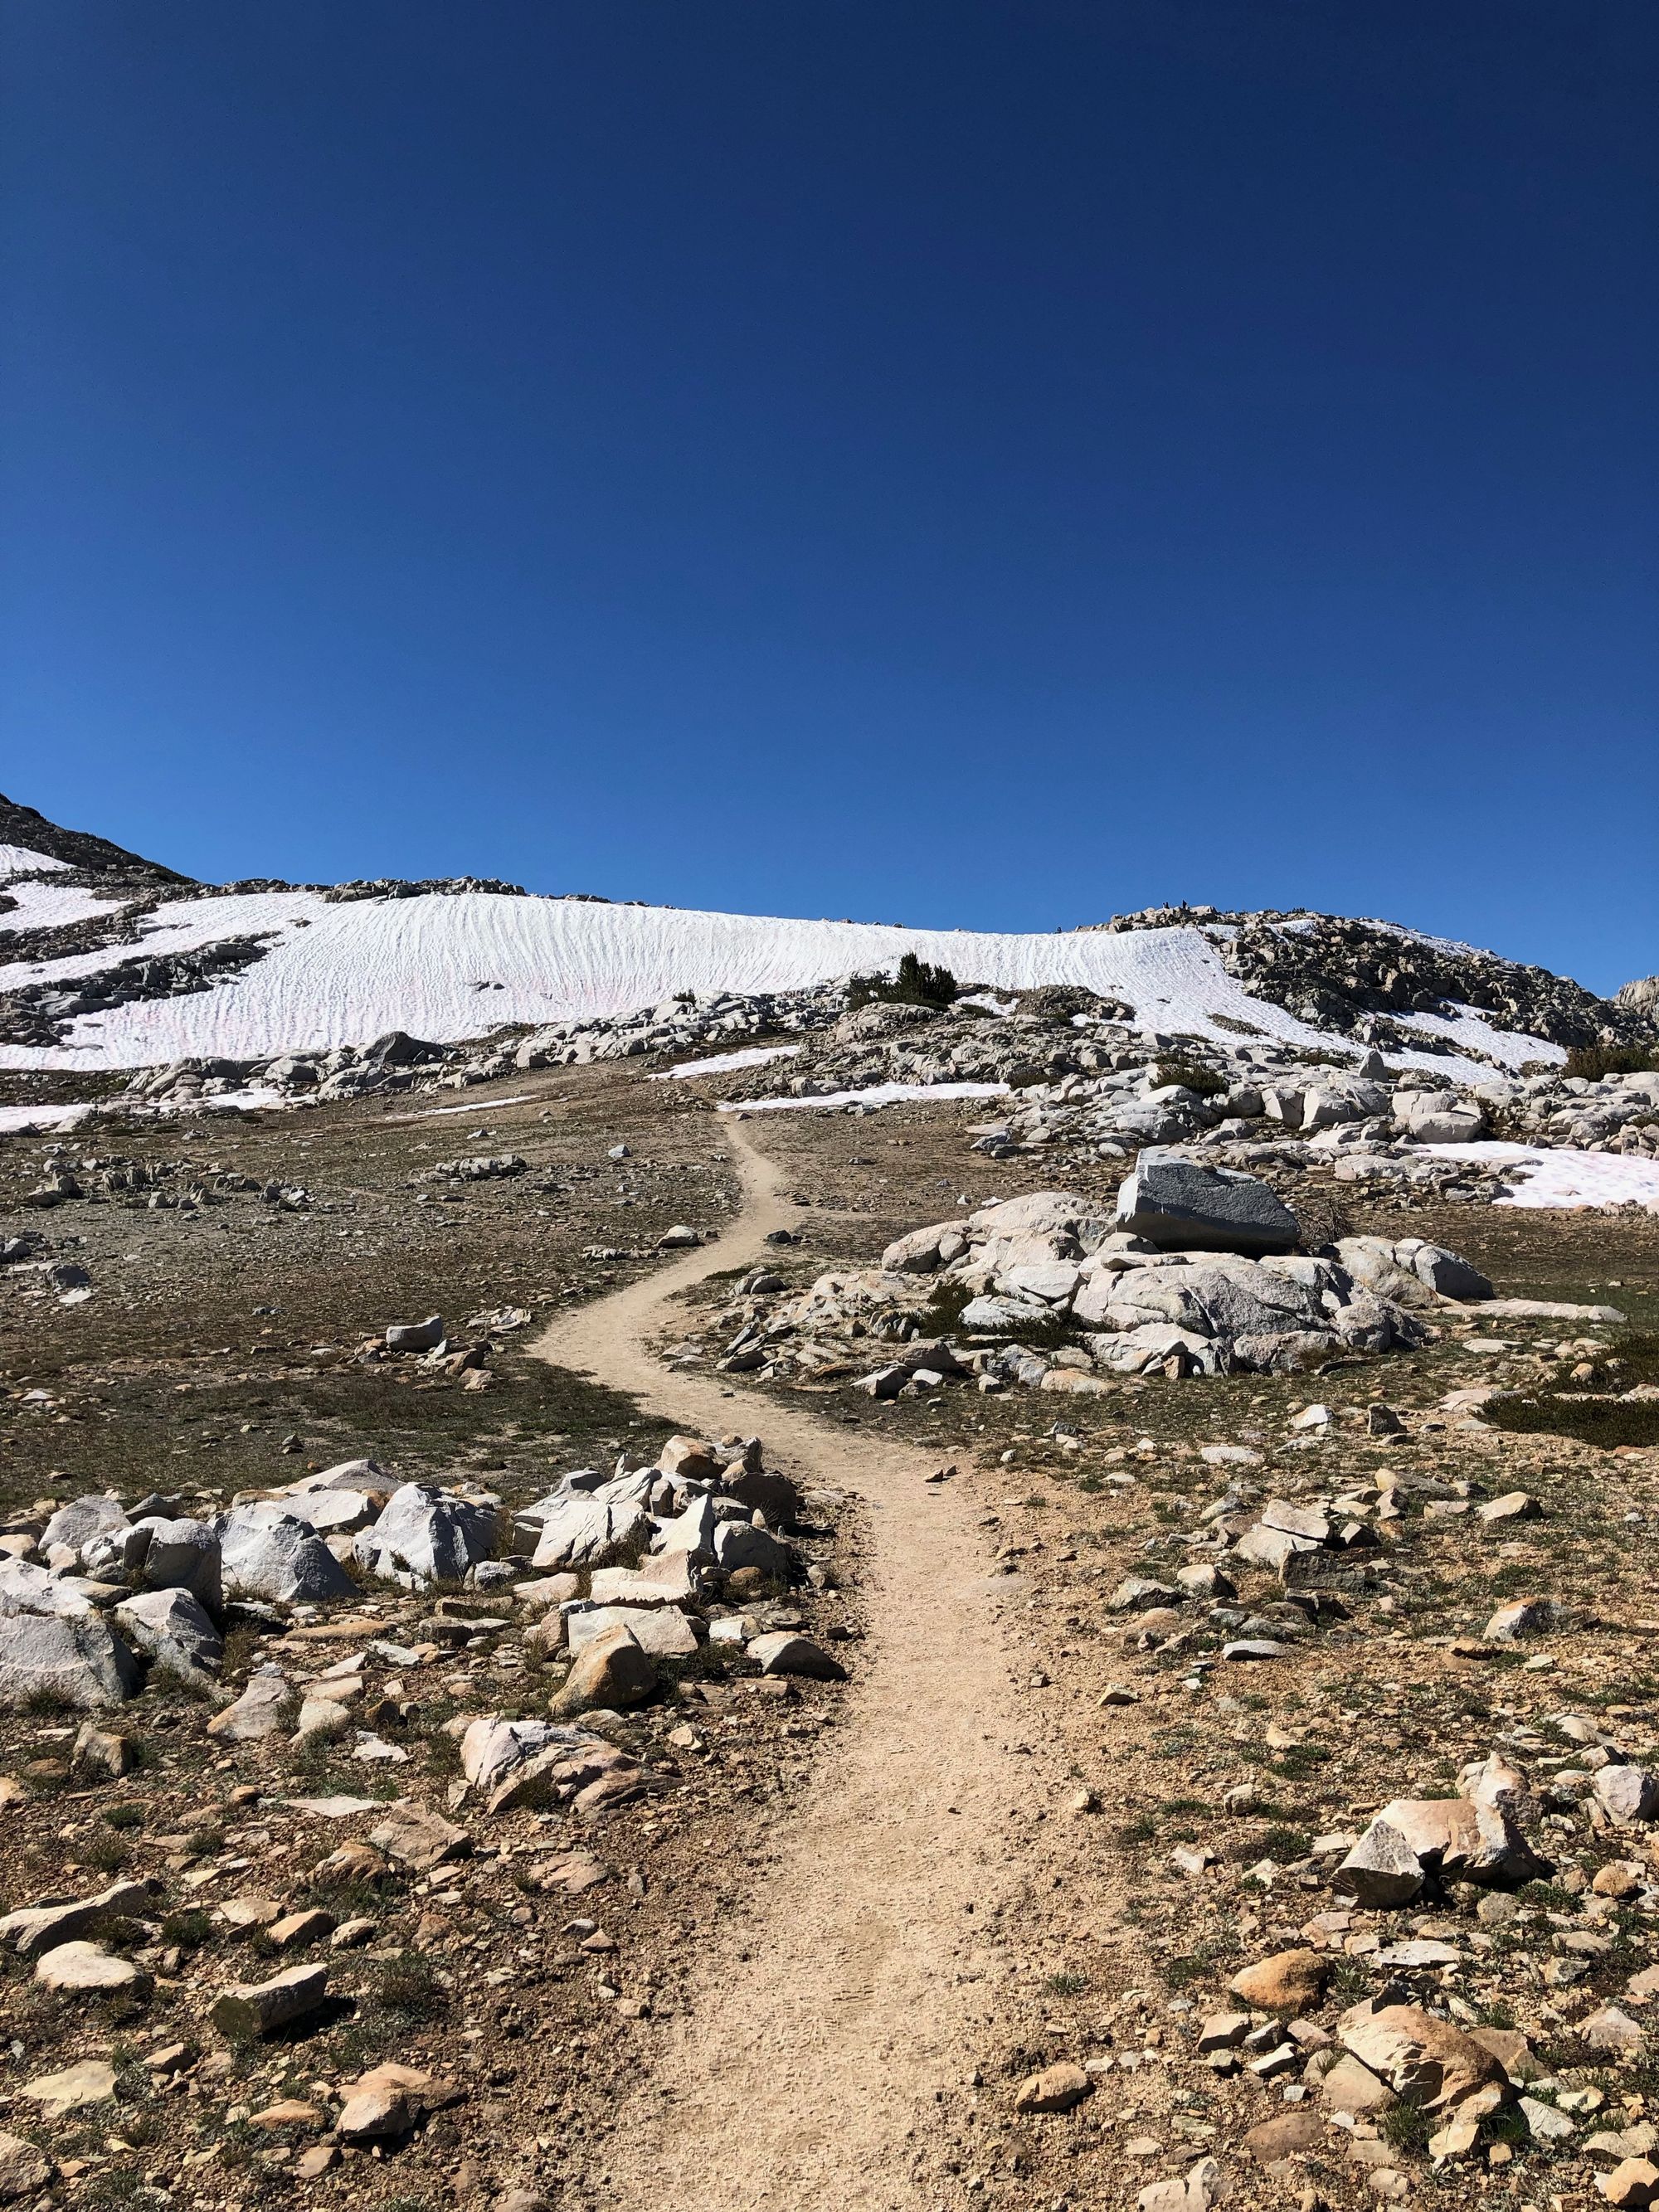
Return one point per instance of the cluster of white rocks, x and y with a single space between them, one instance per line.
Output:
617 1572
1047 1292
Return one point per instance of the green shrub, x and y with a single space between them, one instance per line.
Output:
1594 1061
1203 1082
917 983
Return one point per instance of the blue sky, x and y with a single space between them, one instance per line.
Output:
948 463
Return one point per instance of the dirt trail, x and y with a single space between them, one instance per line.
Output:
823 2021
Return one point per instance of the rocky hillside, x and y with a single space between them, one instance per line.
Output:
117 962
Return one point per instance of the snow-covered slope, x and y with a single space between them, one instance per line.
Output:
450 967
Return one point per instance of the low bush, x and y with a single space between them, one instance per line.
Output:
1595 1061
917 983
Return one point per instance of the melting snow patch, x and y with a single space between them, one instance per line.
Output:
478 1106
15 1120
878 1094
50 906
18 860
1560 1178
726 1063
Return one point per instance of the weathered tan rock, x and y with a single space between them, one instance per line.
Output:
612 1671
1513 2051
1289 1982
250 2009
1609 2029
1618 1878
40 1927
249 1910
391 2100
1418 2055
76 1966
297 1928
1633 2181
1629 1794
1525 1616
90 2083
1350 2087
418 1837
100 1754
288 2112
260 1711
1382 1871
23 2168
1513 1506
783 1652
690 1457
1054 2089
1288 2134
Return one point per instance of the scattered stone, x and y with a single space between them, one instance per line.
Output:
78 1662
82 1965
24 2168
1179 1206
100 1754
613 1671
1629 1794
279 1557
1417 2056
172 1628
37 1928
786 1653
1288 2134
1054 2089
261 1710
1289 1982
1609 2029
249 2010
1525 1616
389 2101
90 2083
1513 1506
417 1837
1633 2181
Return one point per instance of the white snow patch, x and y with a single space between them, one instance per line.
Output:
1559 1178
453 967
725 1063
878 1094
1475 1033
19 860
476 1107
16 1121
50 906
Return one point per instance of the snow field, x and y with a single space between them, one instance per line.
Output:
1557 1178
457 967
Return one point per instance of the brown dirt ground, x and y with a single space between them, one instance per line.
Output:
855 1918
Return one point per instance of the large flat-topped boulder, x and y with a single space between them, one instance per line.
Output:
1175 1203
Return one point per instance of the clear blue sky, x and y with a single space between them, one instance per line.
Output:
987 463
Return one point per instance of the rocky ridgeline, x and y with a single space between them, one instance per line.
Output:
1195 1274
1355 978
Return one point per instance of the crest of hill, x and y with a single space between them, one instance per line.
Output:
136 965
77 848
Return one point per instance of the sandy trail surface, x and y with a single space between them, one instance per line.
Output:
824 2017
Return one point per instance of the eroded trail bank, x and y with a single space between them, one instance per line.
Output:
824 2019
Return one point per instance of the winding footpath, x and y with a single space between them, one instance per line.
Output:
822 2020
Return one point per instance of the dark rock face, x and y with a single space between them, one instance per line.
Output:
1180 1207
21 825
1341 974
